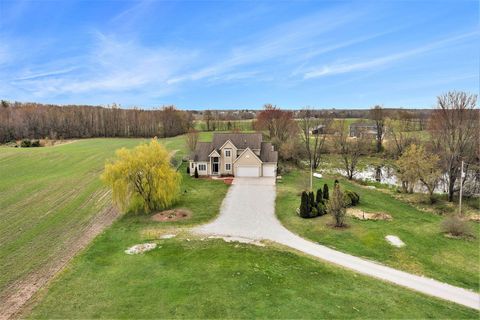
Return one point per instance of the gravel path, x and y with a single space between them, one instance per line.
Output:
248 211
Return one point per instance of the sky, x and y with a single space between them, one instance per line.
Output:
238 54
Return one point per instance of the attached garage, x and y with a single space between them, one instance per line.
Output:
269 170
248 171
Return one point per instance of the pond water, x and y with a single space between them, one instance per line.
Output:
387 175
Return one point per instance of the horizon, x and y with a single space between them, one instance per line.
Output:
325 55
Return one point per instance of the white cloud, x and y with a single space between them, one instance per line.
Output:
283 41
340 68
111 65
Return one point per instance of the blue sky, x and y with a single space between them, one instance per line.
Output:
227 54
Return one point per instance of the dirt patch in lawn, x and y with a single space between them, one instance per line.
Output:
475 218
362 215
172 215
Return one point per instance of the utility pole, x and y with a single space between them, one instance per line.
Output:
461 191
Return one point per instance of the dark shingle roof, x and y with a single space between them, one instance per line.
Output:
240 140
267 154
202 151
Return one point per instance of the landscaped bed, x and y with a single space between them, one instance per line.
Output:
427 252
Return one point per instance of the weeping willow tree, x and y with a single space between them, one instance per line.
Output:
142 179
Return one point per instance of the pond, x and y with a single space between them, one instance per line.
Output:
387 175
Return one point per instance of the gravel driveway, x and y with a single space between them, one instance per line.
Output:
248 211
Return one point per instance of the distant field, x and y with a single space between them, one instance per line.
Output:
227 125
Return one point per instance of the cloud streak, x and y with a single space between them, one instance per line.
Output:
285 40
341 68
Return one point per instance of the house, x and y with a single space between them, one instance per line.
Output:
363 129
319 129
235 154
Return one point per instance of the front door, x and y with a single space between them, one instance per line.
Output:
215 165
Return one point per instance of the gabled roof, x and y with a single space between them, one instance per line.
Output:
214 153
240 140
245 151
202 151
267 154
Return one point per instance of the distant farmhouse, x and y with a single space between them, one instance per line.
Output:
320 129
235 154
363 129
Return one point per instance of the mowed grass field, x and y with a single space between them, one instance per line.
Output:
190 277
427 252
185 277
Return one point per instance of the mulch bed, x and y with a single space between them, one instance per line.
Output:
228 180
172 215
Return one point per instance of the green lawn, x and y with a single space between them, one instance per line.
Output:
190 278
48 196
226 125
427 251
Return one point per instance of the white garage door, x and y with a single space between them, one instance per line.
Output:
268 170
247 171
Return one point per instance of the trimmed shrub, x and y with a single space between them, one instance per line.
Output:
319 196
314 212
351 198
196 173
35 143
26 143
304 206
188 169
335 182
321 209
325 192
347 201
455 226
311 200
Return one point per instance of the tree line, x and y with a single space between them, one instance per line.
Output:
449 135
38 121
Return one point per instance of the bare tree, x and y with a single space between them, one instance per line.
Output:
313 135
454 128
350 149
279 123
336 206
37 121
208 117
192 139
377 114
400 132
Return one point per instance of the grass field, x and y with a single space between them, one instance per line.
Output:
190 278
49 196
427 251
226 125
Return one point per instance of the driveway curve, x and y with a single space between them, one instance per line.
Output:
248 211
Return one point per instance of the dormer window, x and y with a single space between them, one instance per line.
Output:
228 153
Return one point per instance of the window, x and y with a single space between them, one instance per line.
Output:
228 166
202 167
227 153
193 165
